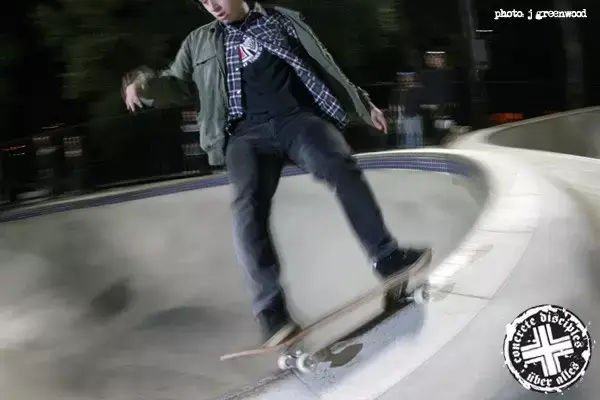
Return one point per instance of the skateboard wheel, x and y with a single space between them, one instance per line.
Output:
421 295
305 363
285 362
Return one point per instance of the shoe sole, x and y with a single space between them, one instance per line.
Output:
281 335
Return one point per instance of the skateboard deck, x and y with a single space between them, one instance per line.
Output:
292 357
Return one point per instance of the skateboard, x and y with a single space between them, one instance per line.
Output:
293 357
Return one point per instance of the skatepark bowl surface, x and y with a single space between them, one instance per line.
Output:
506 236
173 245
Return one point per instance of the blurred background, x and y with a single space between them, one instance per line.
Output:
64 129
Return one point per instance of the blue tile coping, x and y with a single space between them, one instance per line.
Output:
389 161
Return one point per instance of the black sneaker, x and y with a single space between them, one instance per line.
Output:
398 262
276 324
401 260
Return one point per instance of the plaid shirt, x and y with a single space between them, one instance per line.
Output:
276 34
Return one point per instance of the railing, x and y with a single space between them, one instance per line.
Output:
163 144
152 145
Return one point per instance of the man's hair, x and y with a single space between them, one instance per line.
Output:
197 3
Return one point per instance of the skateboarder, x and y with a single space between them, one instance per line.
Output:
269 91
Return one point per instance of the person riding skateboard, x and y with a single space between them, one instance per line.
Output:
268 91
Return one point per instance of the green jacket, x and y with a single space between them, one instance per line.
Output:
200 62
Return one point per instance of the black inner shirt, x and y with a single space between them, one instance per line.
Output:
271 87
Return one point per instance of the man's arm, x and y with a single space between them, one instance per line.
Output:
172 86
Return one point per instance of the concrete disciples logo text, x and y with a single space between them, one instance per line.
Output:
547 349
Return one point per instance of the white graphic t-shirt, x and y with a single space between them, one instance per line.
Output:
250 51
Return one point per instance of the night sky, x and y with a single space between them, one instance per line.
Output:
36 101
532 50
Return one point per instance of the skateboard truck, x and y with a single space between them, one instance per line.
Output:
303 362
421 294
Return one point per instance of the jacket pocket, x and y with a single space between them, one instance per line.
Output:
203 59
202 67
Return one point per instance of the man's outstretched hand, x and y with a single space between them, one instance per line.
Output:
130 88
378 119
129 92
132 98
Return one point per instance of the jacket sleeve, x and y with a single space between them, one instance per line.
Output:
172 86
361 92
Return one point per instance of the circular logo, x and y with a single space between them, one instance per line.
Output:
547 349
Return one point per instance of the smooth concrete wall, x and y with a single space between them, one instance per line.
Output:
576 133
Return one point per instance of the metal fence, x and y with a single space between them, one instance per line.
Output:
163 144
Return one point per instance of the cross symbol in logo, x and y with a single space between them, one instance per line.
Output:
546 350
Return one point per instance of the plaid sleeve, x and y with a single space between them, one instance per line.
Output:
287 25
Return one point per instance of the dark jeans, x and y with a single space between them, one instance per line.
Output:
255 158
